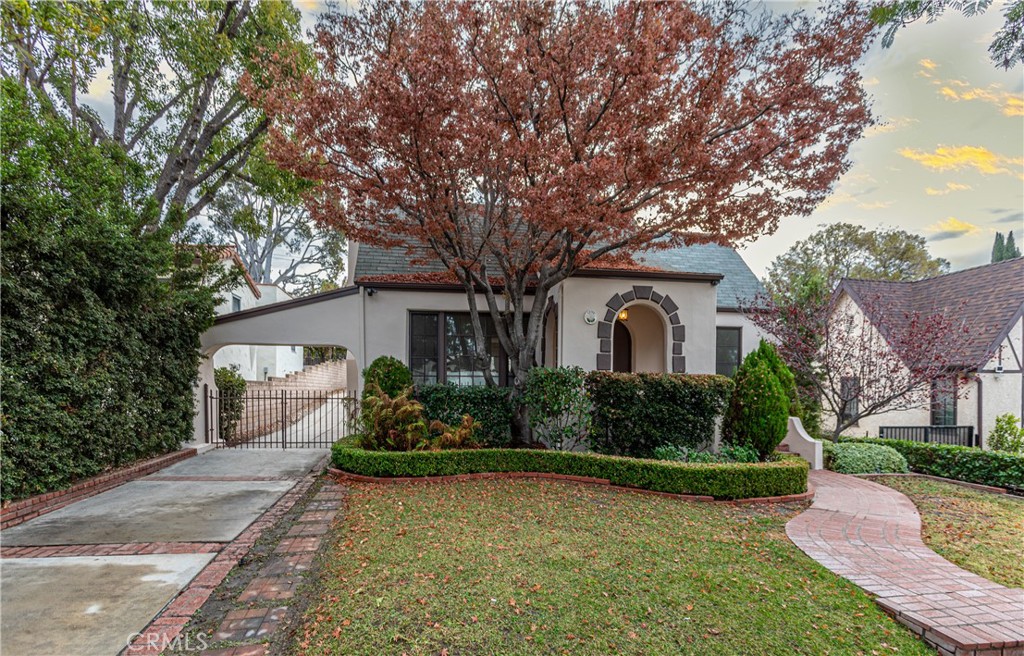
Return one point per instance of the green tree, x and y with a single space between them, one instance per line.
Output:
758 412
1010 250
999 248
843 250
1007 47
170 77
100 326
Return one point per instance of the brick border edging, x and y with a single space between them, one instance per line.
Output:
952 481
21 511
341 476
172 618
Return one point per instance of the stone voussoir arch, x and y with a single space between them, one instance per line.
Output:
641 293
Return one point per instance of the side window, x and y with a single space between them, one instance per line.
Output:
236 303
727 351
423 348
944 402
849 392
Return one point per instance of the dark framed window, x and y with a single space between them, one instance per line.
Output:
236 303
442 349
849 394
728 350
944 401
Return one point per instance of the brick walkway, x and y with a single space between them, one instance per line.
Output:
871 535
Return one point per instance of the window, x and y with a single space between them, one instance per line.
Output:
423 342
442 349
944 401
293 349
727 351
236 303
849 394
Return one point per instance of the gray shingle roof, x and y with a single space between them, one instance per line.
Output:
739 286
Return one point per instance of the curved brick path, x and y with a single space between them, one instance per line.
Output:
871 535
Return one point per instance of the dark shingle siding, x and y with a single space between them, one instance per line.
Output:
739 286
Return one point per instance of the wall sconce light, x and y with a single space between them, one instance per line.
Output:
623 314
370 291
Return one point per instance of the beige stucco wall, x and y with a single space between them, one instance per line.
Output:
579 343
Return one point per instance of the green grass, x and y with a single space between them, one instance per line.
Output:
528 567
979 531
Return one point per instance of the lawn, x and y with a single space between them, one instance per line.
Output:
526 567
979 531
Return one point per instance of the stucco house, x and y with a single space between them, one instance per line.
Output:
254 362
989 299
676 310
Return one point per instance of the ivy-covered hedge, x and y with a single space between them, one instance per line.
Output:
101 319
722 481
489 406
634 414
962 463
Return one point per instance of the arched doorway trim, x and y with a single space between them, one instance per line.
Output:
622 299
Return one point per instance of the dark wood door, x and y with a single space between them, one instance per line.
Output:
622 348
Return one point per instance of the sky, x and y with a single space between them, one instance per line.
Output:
946 158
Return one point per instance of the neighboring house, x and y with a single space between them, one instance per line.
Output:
254 362
990 301
674 310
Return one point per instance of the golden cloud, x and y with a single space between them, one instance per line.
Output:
889 125
948 189
956 158
1011 104
929 64
951 228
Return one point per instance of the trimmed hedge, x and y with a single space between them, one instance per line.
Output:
490 406
722 481
962 463
853 458
634 414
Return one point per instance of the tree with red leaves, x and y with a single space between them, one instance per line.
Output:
519 142
866 357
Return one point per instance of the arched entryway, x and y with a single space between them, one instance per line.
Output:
638 340
652 327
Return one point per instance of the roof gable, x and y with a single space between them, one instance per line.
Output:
988 298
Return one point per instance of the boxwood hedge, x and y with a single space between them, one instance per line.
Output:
855 458
961 463
722 481
490 406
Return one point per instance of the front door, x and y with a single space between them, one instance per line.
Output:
622 348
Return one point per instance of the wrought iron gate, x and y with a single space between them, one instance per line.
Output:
278 418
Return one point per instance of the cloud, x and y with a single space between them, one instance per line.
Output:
929 64
948 189
876 205
1011 104
952 228
1017 217
871 81
957 158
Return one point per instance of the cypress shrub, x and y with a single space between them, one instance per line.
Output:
758 412
232 400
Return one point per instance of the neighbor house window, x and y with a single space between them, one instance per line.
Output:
236 303
944 402
442 349
849 393
727 351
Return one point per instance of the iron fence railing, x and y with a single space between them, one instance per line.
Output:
278 418
957 435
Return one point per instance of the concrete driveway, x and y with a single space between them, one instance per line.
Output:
161 531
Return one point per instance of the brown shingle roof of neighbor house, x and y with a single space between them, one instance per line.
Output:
989 298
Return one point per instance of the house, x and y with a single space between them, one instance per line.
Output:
674 310
989 300
254 362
